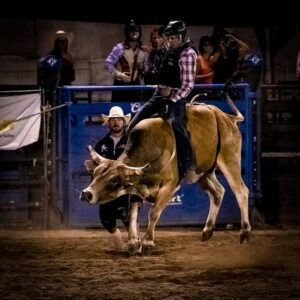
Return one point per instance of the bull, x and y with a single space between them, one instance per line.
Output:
148 168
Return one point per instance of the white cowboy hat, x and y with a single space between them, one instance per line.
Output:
116 112
64 35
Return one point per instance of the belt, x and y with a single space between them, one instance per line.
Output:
166 91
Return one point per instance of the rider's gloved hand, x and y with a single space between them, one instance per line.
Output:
164 110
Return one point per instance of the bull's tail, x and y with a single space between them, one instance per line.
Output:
193 100
238 116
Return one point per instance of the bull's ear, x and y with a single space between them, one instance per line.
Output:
90 165
95 156
128 183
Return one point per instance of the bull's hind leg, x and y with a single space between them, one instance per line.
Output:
232 171
215 191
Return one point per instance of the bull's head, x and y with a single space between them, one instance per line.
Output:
111 179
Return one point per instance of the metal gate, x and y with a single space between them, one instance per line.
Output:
79 126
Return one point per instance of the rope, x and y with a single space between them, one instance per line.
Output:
20 91
45 110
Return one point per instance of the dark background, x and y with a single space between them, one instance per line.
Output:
225 13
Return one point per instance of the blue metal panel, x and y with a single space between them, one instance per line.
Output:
78 134
190 204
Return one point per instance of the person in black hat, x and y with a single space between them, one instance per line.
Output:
61 51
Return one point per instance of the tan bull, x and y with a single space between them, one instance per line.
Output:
148 168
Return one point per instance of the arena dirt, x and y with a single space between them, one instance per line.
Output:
81 264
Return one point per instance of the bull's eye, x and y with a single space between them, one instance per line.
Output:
114 180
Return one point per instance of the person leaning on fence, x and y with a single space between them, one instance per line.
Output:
111 146
176 80
126 63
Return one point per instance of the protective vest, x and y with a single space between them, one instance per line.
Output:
170 71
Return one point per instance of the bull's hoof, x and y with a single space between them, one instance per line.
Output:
206 235
134 248
148 249
244 235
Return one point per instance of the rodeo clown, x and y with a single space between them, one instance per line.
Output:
111 147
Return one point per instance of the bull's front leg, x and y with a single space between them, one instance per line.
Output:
164 194
134 244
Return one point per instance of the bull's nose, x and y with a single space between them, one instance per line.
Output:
86 196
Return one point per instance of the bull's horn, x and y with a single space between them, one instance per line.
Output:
95 156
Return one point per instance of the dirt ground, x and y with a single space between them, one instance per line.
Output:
80 264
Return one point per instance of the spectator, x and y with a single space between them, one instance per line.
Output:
155 57
111 146
60 50
228 56
204 72
126 63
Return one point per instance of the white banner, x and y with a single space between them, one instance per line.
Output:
15 134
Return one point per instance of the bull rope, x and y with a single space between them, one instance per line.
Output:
171 158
